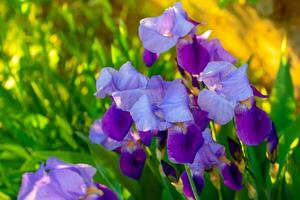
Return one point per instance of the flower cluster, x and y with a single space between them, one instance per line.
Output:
178 113
60 181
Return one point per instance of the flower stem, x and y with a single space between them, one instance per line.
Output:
189 174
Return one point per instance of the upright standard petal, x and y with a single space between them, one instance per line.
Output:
236 86
175 104
110 80
253 125
182 145
217 52
132 163
215 72
116 123
219 109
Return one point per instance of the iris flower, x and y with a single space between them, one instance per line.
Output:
229 95
159 34
60 181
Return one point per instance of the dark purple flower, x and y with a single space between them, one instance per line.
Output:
272 143
159 34
212 155
149 58
232 176
169 171
253 125
187 188
200 118
258 93
59 180
116 123
235 149
193 55
162 139
146 137
132 163
183 143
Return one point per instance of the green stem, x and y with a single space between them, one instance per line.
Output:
189 174
220 193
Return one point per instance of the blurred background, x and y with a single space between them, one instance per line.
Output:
52 50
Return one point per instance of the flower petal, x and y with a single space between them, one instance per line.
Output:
192 56
116 123
175 104
218 108
143 115
182 147
232 176
132 164
149 58
252 124
236 85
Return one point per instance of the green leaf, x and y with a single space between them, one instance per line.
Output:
65 131
288 141
282 98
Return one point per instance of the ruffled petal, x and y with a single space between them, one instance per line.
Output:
218 108
182 147
236 85
143 115
132 164
104 83
252 124
215 72
175 104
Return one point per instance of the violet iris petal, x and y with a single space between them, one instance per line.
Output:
57 180
200 118
110 80
146 137
159 34
132 163
182 147
253 125
218 108
98 136
258 93
108 193
227 86
232 176
187 188
193 56
116 123
149 58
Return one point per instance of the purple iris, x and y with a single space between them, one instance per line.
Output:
212 155
183 143
149 58
194 54
59 180
154 104
159 34
132 153
229 94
